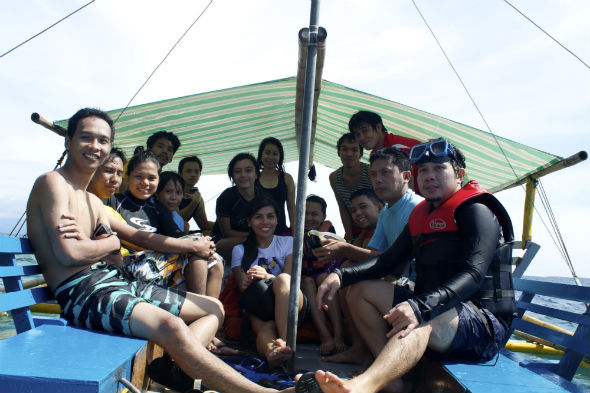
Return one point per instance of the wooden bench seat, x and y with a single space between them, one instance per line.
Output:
513 373
47 354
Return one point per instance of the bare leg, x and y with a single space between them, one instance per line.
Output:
335 315
396 359
172 333
398 356
214 278
268 345
369 301
195 275
358 352
318 317
281 287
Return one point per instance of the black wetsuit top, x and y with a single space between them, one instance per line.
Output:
435 293
144 215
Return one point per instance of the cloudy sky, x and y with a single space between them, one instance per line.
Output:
528 88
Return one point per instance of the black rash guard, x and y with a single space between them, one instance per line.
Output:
144 215
479 232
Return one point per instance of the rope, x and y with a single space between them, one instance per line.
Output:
23 218
547 34
562 247
43 31
163 60
563 250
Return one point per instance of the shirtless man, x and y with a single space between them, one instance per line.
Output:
182 323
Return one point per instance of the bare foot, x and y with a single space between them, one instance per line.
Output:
218 347
352 355
330 383
278 353
327 347
339 346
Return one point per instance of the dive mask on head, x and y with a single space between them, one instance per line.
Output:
438 150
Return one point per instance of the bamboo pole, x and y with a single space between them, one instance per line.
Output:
308 99
37 118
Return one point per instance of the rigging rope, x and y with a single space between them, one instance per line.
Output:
163 60
23 217
47 28
564 254
546 33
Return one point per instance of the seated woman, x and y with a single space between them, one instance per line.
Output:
104 183
313 274
231 227
193 205
260 257
139 210
351 176
275 181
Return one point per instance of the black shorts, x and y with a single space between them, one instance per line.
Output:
473 340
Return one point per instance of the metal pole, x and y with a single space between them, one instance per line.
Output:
308 96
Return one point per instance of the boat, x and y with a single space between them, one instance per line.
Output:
137 121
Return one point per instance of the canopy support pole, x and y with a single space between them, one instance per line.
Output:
529 208
308 98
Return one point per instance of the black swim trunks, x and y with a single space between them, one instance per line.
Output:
101 297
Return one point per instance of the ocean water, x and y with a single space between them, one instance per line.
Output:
582 377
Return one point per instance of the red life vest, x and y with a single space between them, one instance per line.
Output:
436 244
423 220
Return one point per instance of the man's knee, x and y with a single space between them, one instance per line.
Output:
170 326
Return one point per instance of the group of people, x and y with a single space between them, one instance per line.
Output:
412 272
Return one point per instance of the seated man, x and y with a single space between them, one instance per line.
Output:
365 209
193 205
353 175
182 323
463 302
370 132
163 144
390 174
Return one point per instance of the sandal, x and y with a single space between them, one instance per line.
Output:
308 384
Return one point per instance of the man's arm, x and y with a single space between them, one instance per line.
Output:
290 199
200 214
389 262
50 202
344 214
334 249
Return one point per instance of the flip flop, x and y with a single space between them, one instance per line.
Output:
308 384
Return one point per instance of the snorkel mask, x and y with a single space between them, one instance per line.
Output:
437 150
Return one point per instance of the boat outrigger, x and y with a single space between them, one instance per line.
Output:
308 114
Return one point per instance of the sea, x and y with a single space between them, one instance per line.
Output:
582 377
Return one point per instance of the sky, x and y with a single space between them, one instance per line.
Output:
528 88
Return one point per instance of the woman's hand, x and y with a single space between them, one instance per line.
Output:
257 273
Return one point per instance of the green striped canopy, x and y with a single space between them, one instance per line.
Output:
217 125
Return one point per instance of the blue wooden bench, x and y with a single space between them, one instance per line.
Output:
47 354
512 372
